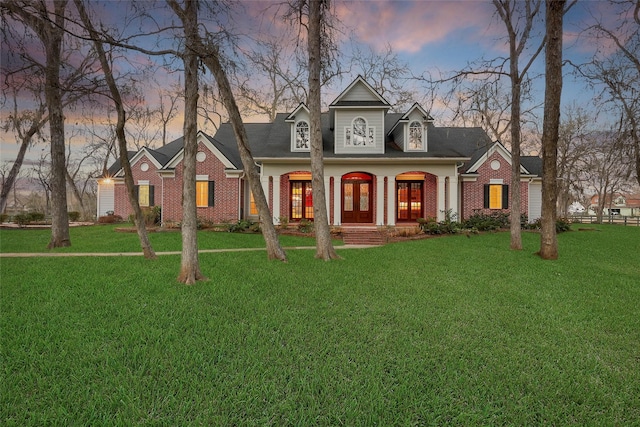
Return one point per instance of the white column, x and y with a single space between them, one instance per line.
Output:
327 191
380 207
337 200
454 203
391 200
276 196
441 198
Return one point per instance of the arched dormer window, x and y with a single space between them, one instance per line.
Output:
360 134
416 136
302 135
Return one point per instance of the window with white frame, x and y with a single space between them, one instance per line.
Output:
302 136
360 134
416 136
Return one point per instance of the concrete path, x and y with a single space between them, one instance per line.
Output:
202 251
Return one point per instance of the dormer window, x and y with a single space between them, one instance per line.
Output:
302 135
416 133
360 134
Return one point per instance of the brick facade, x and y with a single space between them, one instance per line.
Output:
472 192
122 206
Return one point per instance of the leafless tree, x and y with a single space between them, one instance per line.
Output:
317 36
617 73
168 109
552 95
49 26
119 131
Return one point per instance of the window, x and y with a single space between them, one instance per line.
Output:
359 134
253 209
144 194
496 196
302 135
204 193
409 200
415 136
301 200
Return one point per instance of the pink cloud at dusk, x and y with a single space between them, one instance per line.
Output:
408 26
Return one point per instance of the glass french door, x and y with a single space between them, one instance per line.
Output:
357 201
409 201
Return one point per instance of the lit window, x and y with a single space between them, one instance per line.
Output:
302 135
301 200
204 194
496 196
360 134
415 136
253 209
409 200
143 195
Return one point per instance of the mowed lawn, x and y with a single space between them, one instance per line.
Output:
443 331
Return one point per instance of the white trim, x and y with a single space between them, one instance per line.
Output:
202 177
292 116
496 181
367 86
143 182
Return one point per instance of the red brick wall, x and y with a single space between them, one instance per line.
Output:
226 193
122 206
472 193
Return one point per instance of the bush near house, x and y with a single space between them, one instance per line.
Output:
483 222
74 216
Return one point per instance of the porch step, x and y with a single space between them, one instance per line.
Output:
363 236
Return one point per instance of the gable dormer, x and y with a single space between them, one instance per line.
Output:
410 131
357 119
300 128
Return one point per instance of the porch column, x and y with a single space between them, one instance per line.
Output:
454 204
337 200
391 200
327 191
441 198
275 208
380 207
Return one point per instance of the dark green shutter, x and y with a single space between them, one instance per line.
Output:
210 194
505 197
486 196
136 192
151 201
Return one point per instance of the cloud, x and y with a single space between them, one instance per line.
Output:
408 26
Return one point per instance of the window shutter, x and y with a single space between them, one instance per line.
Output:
211 188
486 196
505 197
136 192
151 201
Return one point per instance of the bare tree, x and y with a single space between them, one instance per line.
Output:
318 10
167 109
49 26
618 73
552 94
120 132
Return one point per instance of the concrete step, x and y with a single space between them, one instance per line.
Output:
365 236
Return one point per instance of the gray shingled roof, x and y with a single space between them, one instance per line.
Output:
533 164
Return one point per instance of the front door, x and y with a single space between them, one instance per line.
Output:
357 201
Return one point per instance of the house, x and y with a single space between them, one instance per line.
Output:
381 169
624 204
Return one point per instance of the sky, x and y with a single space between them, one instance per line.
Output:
431 37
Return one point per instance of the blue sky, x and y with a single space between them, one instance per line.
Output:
430 36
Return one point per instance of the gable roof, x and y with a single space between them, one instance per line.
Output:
405 116
377 101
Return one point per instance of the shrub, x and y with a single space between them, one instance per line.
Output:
4 217
21 219
562 225
487 222
283 221
109 219
305 226
242 226
448 226
35 216
74 216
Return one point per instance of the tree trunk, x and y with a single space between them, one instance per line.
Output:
13 173
190 266
551 125
212 61
141 229
324 245
516 200
53 95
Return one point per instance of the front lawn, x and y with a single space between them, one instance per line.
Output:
451 330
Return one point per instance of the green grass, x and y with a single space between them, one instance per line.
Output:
103 238
442 331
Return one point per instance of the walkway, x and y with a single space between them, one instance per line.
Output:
202 251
